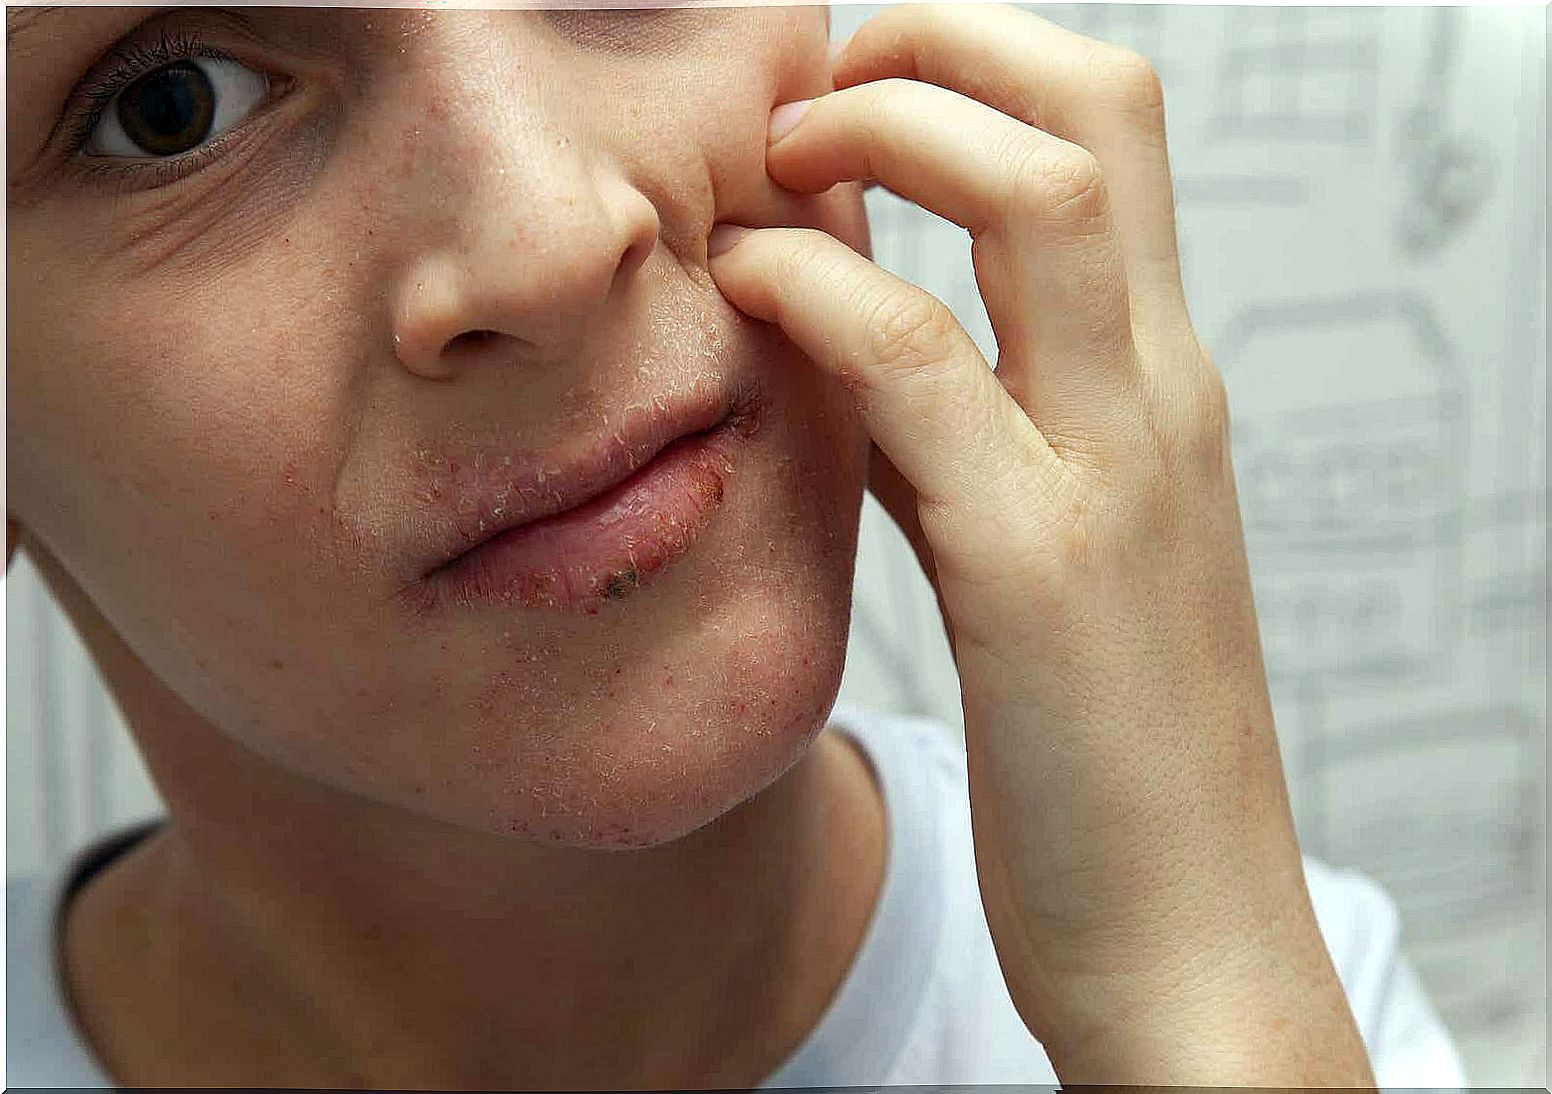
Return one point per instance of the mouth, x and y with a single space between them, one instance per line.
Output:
571 529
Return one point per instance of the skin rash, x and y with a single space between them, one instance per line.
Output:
274 434
220 390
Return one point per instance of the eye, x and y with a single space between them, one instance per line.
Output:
176 108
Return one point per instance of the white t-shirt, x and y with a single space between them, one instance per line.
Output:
924 1002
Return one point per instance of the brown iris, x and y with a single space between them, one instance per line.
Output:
168 111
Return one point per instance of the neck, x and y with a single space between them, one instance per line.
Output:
367 946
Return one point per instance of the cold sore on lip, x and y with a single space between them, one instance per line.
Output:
607 547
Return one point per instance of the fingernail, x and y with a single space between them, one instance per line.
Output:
722 237
784 117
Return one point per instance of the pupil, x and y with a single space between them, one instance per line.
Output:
170 111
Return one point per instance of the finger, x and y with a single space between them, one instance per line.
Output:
1047 257
926 395
898 499
1100 96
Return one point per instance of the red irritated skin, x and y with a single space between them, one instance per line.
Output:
607 546
236 491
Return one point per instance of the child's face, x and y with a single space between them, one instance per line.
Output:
231 389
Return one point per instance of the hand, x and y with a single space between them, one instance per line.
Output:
1075 512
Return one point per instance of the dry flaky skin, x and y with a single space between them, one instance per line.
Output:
227 483
662 526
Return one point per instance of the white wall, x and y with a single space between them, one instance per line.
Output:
1361 195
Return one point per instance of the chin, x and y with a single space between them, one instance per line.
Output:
658 752
662 765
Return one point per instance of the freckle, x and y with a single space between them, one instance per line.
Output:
669 681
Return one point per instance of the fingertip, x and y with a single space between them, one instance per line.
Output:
722 239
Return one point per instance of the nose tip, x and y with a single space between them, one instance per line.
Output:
536 273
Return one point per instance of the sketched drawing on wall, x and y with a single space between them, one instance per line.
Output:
1448 169
1296 74
1481 757
1351 479
1509 590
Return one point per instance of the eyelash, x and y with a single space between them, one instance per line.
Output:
136 60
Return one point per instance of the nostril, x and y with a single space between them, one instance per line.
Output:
473 340
636 256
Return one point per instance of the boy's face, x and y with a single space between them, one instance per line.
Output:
237 378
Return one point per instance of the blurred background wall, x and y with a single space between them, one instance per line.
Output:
1362 204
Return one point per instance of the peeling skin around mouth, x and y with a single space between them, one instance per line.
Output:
683 351
573 589
617 586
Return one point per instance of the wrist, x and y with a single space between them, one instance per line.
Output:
1287 1043
1272 1016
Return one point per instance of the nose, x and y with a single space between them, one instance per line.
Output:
544 235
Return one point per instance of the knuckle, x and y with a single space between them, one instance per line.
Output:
1138 91
1197 440
1078 187
911 328
1067 185
1210 404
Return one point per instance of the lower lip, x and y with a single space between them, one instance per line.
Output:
608 547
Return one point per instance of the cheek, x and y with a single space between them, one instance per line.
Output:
172 450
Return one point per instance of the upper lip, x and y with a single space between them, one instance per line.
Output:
493 491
